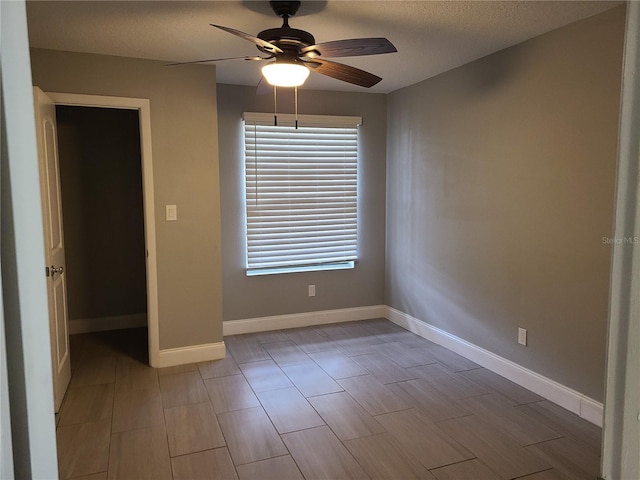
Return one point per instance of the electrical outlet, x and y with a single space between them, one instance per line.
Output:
312 290
522 336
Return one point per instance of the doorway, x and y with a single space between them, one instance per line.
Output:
102 208
112 231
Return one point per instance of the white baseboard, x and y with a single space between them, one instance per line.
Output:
171 357
278 322
566 397
591 410
101 324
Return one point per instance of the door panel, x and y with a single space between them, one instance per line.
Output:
61 353
54 242
54 217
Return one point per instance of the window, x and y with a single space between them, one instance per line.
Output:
301 193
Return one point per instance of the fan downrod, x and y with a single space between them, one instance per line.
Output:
284 9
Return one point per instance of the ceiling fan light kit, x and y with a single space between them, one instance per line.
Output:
285 74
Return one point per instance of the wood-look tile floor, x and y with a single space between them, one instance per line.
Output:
344 401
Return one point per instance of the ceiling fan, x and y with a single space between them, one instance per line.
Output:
295 52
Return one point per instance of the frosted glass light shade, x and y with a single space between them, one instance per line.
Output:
285 74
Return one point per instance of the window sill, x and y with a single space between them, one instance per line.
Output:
303 268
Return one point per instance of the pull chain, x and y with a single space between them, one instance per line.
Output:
296 105
275 106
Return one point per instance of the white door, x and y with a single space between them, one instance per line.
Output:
54 242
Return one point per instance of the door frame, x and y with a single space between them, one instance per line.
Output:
142 105
621 431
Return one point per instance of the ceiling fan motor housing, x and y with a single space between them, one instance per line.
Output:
288 39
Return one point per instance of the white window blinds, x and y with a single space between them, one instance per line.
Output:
301 192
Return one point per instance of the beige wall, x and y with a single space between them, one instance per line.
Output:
101 179
185 162
251 297
500 189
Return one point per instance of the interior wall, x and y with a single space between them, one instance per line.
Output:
185 167
259 296
500 191
102 205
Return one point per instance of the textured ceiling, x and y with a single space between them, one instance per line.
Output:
431 36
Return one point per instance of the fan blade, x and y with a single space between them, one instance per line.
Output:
350 48
270 47
217 60
343 72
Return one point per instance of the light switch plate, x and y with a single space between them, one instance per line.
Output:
522 336
172 213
